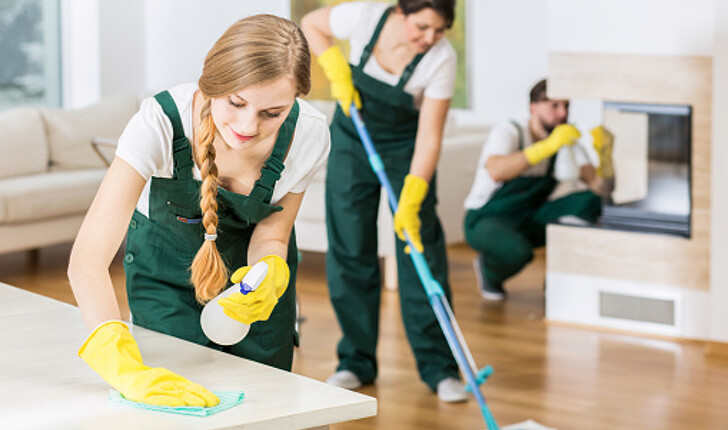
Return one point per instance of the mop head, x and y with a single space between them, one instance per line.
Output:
527 425
228 399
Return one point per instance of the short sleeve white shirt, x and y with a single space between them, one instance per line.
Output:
433 77
502 141
146 145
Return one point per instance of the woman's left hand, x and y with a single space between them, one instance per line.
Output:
407 217
257 305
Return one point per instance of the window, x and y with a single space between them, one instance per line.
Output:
30 53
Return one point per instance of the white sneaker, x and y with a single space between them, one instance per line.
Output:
488 292
344 379
451 390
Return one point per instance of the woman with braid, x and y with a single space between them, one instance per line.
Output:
208 178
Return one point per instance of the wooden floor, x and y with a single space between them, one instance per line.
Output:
564 377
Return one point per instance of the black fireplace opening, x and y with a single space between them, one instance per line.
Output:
652 179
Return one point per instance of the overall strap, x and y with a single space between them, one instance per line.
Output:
271 171
407 73
520 133
367 52
552 161
180 144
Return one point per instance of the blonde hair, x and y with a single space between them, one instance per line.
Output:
254 50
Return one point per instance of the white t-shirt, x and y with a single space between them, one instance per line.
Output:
503 140
433 77
146 145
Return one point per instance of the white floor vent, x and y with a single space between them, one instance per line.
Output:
635 308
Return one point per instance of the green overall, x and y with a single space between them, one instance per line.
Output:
161 248
352 201
513 222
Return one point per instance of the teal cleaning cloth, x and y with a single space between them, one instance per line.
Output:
228 399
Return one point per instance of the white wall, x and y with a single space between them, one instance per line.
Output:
140 46
80 52
121 38
507 55
653 27
180 32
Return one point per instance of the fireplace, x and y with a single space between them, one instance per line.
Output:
652 165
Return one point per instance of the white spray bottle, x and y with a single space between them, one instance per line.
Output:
219 327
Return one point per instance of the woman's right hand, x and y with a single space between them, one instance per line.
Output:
112 352
259 304
338 73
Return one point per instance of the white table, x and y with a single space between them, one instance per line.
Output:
44 384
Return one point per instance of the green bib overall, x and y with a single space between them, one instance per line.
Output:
161 248
352 201
513 222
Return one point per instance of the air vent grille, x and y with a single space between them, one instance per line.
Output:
635 308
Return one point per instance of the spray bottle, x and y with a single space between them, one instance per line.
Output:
219 327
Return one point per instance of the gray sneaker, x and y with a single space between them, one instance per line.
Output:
490 292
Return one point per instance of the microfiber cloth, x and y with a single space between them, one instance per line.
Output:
228 399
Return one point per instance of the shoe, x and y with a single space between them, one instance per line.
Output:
344 379
451 390
494 293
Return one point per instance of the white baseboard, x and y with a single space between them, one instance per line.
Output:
579 299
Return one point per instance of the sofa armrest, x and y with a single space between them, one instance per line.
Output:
105 148
455 174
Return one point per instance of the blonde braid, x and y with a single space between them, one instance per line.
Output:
208 271
255 50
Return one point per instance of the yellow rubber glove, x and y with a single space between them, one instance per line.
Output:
563 134
257 305
407 217
338 72
112 353
603 144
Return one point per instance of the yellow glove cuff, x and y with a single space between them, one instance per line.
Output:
407 217
106 328
334 64
537 152
281 271
414 191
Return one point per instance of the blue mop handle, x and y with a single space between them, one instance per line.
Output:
432 287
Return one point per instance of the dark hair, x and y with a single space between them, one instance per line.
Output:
445 8
538 92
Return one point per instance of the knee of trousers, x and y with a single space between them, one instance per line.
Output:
491 238
515 253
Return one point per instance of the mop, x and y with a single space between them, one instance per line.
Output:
435 293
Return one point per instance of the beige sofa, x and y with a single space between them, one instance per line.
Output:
461 147
49 173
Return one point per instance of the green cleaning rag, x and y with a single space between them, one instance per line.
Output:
228 399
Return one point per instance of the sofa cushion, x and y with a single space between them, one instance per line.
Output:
23 143
48 195
70 131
